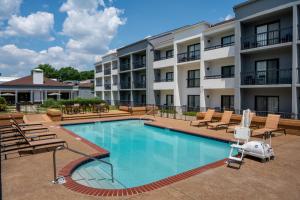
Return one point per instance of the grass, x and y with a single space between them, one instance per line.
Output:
190 113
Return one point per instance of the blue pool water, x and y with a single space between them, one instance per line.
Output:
143 154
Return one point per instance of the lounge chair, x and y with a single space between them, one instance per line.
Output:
15 136
224 122
232 127
30 145
207 118
30 128
271 125
23 122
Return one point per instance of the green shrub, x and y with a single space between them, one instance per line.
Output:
190 113
51 103
3 104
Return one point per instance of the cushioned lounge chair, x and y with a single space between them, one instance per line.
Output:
207 118
271 125
224 122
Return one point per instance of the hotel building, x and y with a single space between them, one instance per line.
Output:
250 61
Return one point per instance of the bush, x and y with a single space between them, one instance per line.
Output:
190 113
51 103
3 104
82 102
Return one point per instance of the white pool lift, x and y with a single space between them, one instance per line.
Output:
241 134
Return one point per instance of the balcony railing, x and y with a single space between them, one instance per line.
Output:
157 80
282 76
107 72
188 56
193 82
219 76
139 84
124 66
125 85
139 64
218 46
158 58
107 86
98 69
267 38
115 67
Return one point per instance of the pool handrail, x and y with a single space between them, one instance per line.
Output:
55 177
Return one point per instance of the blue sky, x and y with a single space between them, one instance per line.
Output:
76 32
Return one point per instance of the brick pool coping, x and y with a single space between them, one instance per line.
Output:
74 186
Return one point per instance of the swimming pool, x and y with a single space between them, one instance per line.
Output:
142 154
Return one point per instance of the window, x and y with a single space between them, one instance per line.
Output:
227 102
169 100
193 51
193 102
193 79
266 71
98 81
267 34
227 71
99 69
169 76
115 80
227 40
267 103
169 54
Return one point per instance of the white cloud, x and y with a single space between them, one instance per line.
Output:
8 8
91 26
38 24
227 17
17 61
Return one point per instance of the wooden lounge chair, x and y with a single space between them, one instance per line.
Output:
15 136
23 122
271 125
30 145
207 118
232 127
224 122
24 128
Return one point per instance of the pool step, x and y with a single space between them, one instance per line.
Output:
95 175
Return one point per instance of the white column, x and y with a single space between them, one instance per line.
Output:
238 66
16 96
176 74
295 60
58 97
202 73
46 95
31 96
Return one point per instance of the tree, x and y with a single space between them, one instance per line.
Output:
85 75
49 71
68 73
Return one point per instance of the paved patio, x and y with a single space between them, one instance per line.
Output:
30 177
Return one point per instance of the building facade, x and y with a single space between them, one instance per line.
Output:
247 62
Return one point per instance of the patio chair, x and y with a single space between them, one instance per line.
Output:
224 122
232 127
207 118
271 125
30 145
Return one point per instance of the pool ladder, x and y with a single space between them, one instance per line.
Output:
57 179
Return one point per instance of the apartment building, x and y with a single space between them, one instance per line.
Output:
247 62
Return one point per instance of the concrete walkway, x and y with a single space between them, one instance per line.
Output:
30 177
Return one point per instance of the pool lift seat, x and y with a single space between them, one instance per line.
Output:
242 135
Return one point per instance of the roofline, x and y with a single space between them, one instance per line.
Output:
131 44
193 25
223 22
243 4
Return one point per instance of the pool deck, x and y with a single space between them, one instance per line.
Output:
30 177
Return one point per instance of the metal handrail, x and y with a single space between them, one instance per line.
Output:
55 181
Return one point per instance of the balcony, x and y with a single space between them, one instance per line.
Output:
270 77
267 38
107 71
163 84
124 66
107 86
193 82
218 82
188 56
219 52
139 64
125 85
139 84
163 62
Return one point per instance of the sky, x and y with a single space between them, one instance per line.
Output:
77 32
